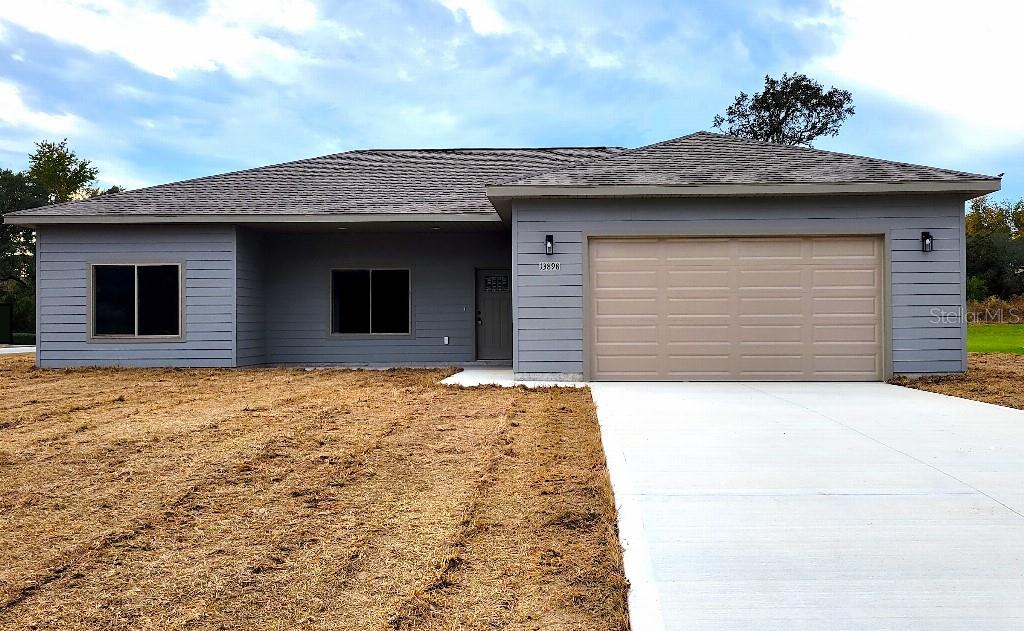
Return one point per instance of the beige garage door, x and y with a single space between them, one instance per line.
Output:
773 308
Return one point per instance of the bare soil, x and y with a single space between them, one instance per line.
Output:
284 498
991 377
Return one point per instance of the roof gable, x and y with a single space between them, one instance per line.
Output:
704 158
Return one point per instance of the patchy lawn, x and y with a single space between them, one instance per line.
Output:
285 498
991 377
995 338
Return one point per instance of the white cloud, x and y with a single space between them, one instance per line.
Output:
483 17
485 20
115 172
600 59
957 61
16 113
296 17
232 35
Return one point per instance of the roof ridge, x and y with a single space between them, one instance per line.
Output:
457 149
578 164
858 156
590 162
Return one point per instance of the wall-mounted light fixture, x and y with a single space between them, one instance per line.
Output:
549 244
927 243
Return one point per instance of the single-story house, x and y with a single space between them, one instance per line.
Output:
705 257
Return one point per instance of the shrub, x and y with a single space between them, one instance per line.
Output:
995 310
977 288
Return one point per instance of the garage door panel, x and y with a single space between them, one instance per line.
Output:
697 306
843 249
771 306
767 363
630 349
794 308
850 305
713 366
845 279
626 333
710 332
783 332
639 279
697 279
863 365
845 349
627 366
771 279
619 250
713 252
771 250
845 332
625 306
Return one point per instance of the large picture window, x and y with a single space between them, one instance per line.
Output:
370 301
136 300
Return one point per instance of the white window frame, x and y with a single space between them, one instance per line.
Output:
135 337
351 336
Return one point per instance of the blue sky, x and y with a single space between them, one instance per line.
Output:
160 91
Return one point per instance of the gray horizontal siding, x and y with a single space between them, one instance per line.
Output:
549 307
64 256
443 271
251 314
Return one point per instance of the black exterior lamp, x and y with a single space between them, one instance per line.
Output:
927 242
549 244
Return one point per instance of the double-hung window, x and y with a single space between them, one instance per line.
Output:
370 302
141 300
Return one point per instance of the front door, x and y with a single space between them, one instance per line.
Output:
493 314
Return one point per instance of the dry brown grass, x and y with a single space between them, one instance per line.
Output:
275 499
994 310
991 377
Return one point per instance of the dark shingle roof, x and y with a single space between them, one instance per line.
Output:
375 181
432 181
705 158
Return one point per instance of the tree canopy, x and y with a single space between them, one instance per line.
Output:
793 110
995 248
988 217
55 174
60 173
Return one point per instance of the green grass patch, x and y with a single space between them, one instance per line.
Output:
995 338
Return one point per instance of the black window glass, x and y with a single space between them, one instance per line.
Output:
159 304
114 300
390 297
350 301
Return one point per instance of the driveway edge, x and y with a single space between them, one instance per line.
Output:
644 602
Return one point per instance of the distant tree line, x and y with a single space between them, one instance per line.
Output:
55 174
995 248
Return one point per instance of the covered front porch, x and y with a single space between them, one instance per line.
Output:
363 296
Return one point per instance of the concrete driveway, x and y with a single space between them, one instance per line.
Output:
816 506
